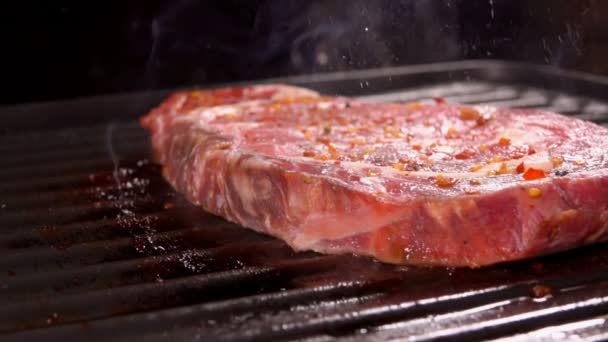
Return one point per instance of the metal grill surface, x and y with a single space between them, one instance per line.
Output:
95 245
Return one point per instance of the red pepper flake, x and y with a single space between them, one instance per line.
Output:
413 106
483 119
398 166
531 150
504 141
470 114
195 94
444 182
540 291
439 100
229 116
308 154
465 154
332 150
496 159
356 142
520 168
308 134
533 174
503 169
557 161
467 113
323 140
417 147
452 131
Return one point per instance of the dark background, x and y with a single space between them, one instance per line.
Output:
66 49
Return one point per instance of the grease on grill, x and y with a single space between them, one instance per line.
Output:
53 318
541 291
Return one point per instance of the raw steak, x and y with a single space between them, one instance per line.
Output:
426 184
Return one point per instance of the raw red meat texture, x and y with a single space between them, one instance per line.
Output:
424 184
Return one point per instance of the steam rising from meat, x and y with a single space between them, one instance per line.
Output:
131 46
194 43
183 43
286 37
113 156
328 36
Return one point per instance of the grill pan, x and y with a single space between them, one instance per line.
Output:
95 245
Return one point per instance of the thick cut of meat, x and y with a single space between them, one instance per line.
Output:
429 184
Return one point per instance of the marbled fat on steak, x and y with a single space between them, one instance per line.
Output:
425 184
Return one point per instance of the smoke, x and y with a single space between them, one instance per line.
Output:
188 42
160 28
331 36
560 31
198 42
